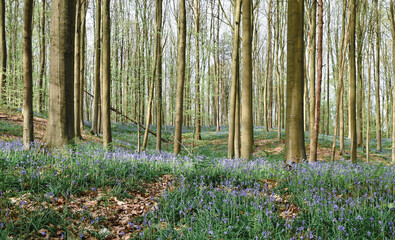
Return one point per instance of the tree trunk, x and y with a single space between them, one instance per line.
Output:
268 75
312 55
235 76
159 119
247 137
82 61
197 71
106 89
314 142
294 134
378 111
28 127
77 79
60 127
42 58
328 71
180 76
393 91
352 93
96 100
3 52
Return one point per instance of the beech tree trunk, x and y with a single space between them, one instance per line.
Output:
247 136
106 89
197 71
314 142
43 55
378 110
235 76
97 96
77 79
180 75
28 127
312 56
159 119
3 53
294 133
60 126
393 65
352 93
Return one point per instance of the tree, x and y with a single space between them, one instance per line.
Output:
97 96
43 55
106 89
378 111
312 57
352 93
158 22
3 54
197 71
180 75
235 78
393 65
28 128
247 136
60 127
314 138
77 76
294 134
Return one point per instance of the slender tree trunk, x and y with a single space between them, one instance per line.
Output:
378 110
42 58
77 79
268 75
393 91
328 71
82 61
96 100
235 76
3 52
159 119
294 134
180 75
197 70
314 142
106 89
352 93
312 57
28 127
60 127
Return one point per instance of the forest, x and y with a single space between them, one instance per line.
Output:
197 119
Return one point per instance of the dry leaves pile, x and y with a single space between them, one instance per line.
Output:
116 215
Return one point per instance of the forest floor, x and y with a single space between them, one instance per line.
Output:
90 193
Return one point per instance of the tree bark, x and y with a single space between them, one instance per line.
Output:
197 71
159 119
180 76
247 136
96 101
235 76
106 89
294 134
42 58
28 127
60 127
312 57
77 79
3 53
314 142
352 93
393 65
378 110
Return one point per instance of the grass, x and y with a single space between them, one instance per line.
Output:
85 192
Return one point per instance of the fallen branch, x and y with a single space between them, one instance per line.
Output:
130 119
